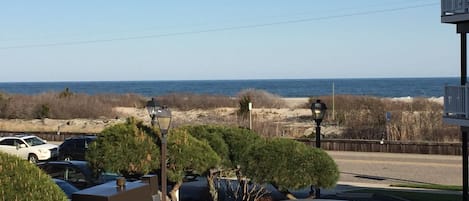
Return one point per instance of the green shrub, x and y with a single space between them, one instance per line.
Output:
125 148
230 143
21 180
288 164
188 153
214 136
239 141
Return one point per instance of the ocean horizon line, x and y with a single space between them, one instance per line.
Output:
379 87
248 79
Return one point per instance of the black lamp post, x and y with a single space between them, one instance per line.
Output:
161 115
319 111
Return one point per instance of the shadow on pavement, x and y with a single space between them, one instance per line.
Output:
381 178
197 190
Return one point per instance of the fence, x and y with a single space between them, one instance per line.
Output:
443 148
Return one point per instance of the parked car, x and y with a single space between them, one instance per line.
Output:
74 148
29 147
77 173
66 187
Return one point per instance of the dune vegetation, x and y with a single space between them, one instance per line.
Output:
349 116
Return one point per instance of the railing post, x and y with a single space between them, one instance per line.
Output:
465 6
465 102
445 101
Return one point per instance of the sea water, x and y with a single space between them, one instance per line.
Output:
380 87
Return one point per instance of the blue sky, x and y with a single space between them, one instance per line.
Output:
207 40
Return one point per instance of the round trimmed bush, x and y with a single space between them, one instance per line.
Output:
214 136
239 141
188 153
230 143
128 148
21 180
288 164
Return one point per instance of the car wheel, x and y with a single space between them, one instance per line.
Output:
67 158
32 158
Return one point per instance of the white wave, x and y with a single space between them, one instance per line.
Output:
410 99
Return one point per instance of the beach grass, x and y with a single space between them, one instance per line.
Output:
351 117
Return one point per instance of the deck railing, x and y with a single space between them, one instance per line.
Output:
451 7
456 103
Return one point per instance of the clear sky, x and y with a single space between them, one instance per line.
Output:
207 40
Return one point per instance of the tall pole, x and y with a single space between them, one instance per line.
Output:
333 101
161 116
318 134
317 191
464 129
464 164
163 166
250 115
463 58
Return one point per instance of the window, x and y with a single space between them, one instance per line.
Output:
80 144
18 142
33 141
8 142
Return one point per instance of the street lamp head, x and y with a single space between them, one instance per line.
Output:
163 116
319 110
152 106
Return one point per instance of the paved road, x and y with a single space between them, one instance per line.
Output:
390 168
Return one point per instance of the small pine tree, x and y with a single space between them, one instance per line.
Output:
214 136
239 141
188 153
23 181
230 144
126 148
288 164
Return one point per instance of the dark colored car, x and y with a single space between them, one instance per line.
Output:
74 148
77 173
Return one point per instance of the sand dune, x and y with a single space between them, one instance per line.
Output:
297 121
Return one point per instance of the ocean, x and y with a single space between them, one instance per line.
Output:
380 87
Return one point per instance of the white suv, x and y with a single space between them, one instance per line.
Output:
28 147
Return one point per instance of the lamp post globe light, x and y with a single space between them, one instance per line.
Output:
319 111
161 116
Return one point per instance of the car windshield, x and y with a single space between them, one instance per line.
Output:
33 141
